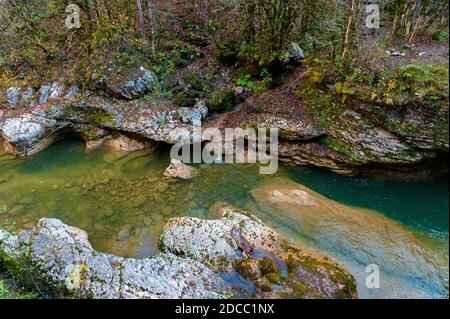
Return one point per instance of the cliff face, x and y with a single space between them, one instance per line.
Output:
348 130
347 133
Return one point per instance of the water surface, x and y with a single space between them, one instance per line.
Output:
123 202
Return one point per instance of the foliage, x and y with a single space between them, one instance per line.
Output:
7 293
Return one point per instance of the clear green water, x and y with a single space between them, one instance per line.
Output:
123 203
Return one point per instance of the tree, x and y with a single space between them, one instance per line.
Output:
141 23
151 17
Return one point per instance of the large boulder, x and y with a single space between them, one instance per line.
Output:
238 241
60 259
134 84
410 266
28 134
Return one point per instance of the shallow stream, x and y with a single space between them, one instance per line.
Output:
123 202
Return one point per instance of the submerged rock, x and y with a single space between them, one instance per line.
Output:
179 170
240 241
358 238
61 259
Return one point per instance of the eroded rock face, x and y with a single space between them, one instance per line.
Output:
360 237
160 121
61 258
241 241
28 134
179 170
368 143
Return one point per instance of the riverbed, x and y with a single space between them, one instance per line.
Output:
122 201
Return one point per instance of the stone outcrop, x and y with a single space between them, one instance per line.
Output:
197 259
30 130
239 240
134 84
347 138
359 237
28 134
179 170
61 259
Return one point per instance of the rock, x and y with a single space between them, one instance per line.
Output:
372 144
296 52
56 90
167 210
27 94
126 144
28 134
194 115
26 201
72 92
238 90
393 52
17 210
134 85
45 92
139 201
359 237
13 97
212 243
61 259
180 171
124 233
316 154
148 221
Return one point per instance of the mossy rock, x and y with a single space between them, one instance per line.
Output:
246 268
222 101
267 266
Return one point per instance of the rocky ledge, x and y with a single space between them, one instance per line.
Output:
197 260
317 128
29 122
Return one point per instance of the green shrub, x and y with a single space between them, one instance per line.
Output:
440 36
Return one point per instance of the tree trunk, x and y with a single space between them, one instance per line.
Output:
92 13
151 17
141 24
345 49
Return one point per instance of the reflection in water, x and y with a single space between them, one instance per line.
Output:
123 202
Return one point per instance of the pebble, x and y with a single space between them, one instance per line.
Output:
69 185
18 210
139 201
148 221
124 233
26 201
167 210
